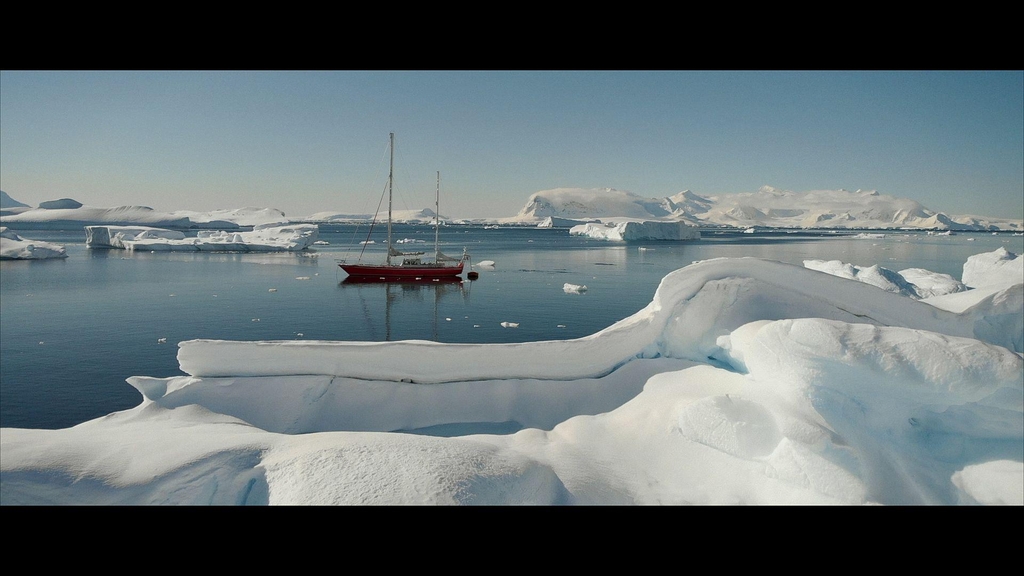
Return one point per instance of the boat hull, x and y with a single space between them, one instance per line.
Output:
408 271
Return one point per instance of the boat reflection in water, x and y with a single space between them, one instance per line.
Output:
406 293
416 282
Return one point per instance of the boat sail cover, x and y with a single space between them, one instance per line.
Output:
439 256
394 252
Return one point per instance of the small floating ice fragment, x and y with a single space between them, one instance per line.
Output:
272 290
302 277
574 288
510 324
161 340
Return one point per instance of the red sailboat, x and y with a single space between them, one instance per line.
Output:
408 265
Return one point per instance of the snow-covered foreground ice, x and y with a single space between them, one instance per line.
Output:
744 381
262 238
14 247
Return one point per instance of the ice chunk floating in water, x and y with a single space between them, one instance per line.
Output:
637 230
14 247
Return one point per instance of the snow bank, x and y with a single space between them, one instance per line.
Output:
637 230
14 247
263 238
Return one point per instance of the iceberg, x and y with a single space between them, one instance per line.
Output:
123 236
14 247
625 231
743 382
262 238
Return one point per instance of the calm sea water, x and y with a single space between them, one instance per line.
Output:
72 330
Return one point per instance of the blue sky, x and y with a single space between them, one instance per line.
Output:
310 141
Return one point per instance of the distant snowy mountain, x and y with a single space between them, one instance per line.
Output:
8 202
766 208
239 216
425 215
67 213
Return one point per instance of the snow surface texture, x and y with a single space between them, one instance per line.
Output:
14 247
262 238
637 230
744 381
768 207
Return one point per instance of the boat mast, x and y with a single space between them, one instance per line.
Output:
391 179
437 209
